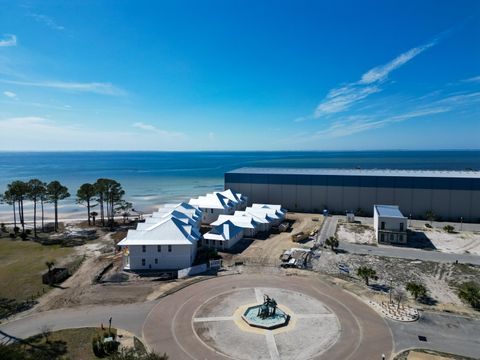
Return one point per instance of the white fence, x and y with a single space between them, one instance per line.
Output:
192 271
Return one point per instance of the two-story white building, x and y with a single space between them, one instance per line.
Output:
213 205
390 224
168 244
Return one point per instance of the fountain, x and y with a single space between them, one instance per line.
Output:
266 315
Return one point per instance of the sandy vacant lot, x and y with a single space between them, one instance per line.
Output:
464 242
355 233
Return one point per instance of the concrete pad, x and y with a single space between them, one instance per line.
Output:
225 304
228 339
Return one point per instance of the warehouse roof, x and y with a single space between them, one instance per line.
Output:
359 172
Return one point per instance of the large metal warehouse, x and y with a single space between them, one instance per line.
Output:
451 195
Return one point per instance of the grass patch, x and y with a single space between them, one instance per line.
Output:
22 264
68 344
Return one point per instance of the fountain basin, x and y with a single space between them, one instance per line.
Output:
250 316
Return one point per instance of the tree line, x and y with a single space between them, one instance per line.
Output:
107 194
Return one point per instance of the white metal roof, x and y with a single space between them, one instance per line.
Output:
388 211
245 222
223 232
170 231
212 201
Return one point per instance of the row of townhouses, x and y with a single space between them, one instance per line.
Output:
169 238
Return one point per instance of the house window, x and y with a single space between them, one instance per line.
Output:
211 211
144 248
401 226
159 248
169 248
382 225
382 237
391 237
156 261
206 241
143 262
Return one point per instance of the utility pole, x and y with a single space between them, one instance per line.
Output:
461 223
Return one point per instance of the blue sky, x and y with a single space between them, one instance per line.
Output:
239 75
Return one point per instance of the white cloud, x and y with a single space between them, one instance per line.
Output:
93 87
10 94
153 129
341 98
8 40
359 123
48 21
475 79
380 73
39 133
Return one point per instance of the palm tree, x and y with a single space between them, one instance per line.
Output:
366 273
85 194
430 216
332 241
416 289
55 193
35 190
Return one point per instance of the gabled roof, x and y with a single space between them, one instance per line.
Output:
223 232
270 206
269 214
170 231
236 197
260 217
183 208
245 222
212 201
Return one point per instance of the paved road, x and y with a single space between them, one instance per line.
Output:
129 317
448 333
409 253
328 229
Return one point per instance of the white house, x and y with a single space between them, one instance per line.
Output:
223 236
247 223
390 224
261 218
169 244
213 205
274 211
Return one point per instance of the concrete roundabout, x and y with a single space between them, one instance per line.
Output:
203 321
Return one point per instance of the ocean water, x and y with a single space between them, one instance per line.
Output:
153 178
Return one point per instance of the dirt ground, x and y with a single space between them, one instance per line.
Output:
440 279
267 251
355 233
464 242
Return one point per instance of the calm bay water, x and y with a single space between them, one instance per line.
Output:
153 178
